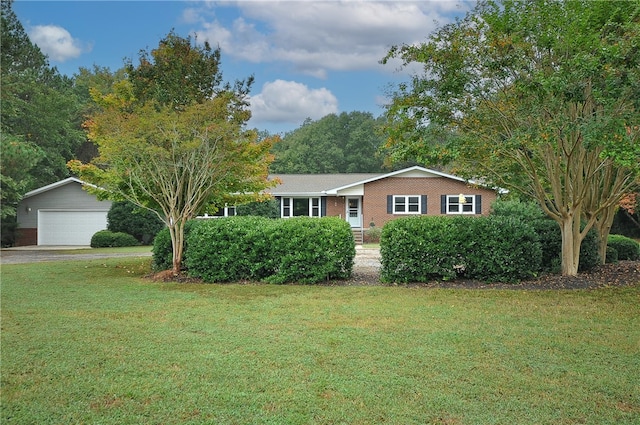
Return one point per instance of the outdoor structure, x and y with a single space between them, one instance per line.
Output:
366 200
61 213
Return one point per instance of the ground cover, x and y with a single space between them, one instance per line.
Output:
97 342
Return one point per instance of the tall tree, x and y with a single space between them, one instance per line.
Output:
344 143
176 155
539 96
38 104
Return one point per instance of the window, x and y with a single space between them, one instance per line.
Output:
461 204
300 207
225 212
406 204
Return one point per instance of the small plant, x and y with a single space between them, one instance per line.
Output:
109 239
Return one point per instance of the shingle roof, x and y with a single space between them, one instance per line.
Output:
316 184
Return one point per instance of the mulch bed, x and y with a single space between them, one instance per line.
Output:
623 273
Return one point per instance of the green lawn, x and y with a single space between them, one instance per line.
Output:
94 343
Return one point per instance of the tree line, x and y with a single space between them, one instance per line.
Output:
540 97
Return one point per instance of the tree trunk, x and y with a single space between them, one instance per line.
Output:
176 229
603 226
571 241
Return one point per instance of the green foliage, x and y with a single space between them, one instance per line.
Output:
297 250
541 97
269 208
162 247
230 249
612 255
344 143
127 217
39 110
627 248
372 234
492 249
312 250
109 239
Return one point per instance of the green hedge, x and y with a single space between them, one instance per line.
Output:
627 248
311 250
420 249
109 239
300 250
230 249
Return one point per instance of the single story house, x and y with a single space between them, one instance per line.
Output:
365 200
61 213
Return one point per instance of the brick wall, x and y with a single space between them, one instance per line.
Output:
374 208
336 206
26 237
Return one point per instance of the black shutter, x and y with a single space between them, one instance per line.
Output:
389 204
443 204
423 204
478 204
323 206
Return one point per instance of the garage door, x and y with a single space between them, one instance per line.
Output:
69 227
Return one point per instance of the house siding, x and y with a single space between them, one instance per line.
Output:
70 196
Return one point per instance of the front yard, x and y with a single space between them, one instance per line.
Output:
95 342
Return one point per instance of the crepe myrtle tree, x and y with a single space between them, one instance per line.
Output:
176 155
538 96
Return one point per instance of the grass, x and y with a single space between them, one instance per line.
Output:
93 342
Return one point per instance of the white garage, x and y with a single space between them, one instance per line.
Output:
62 213
69 227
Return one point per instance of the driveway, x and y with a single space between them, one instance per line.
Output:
35 254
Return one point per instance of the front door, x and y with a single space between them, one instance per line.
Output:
354 214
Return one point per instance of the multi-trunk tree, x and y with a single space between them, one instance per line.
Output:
542 97
171 138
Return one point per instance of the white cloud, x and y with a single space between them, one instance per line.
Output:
56 42
319 36
291 102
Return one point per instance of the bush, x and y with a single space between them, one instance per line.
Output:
230 249
612 255
501 249
109 239
127 217
372 234
627 248
311 250
301 250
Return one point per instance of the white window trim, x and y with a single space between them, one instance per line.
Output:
312 208
470 200
406 205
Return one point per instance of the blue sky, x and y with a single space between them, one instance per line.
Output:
309 58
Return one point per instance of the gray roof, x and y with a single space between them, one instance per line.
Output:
316 184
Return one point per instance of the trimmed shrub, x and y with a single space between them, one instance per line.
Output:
500 249
127 217
627 248
295 250
420 249
311 250
109 239
230 249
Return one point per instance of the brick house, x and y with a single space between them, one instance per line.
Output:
366 199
